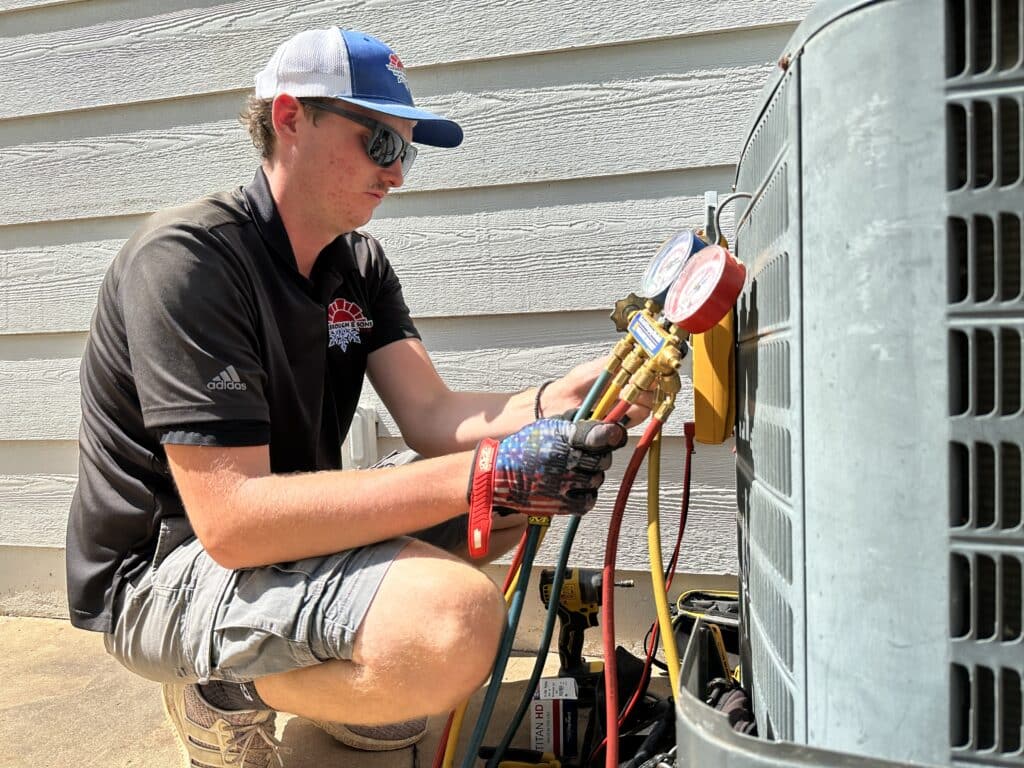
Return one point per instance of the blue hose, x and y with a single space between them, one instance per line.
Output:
595 392
556 590
515 610
545 643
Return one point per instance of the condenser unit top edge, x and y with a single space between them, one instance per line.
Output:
821 15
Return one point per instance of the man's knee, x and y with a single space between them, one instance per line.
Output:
469 631
437 619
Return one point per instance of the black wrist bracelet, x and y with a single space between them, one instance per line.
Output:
538 413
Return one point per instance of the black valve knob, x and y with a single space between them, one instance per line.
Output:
624 310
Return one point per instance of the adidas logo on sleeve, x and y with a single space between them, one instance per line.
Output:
226 379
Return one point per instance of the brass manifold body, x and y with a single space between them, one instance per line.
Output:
648 357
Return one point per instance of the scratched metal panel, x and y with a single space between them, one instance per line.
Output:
875 383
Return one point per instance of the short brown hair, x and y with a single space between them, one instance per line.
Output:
257 117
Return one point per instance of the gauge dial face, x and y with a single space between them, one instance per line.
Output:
667 263
696 285
696 290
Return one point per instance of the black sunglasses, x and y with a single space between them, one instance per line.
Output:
385 144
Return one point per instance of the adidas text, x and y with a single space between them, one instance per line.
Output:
226 385
226 379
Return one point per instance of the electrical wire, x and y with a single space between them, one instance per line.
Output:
611 684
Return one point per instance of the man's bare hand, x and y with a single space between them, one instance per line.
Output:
568 392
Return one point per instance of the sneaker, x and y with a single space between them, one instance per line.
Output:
377 738
214 738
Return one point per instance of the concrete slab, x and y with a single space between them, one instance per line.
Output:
64 702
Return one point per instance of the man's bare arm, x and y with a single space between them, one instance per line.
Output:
435 421
244 516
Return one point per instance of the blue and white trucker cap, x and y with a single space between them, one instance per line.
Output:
354 67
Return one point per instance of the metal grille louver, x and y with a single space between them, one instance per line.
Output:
985 94
768 443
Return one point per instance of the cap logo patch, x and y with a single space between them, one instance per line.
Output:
396 68
345 321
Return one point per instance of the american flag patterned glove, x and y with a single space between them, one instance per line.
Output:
549 467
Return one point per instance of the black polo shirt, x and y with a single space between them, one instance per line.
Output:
206 333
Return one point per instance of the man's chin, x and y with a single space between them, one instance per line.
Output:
355 222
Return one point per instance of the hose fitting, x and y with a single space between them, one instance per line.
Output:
665 396
622 349
665 363
634 360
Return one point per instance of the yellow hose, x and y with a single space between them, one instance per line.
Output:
512 588
515 579
606 402
453 736
657 569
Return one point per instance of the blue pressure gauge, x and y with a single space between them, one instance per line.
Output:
667 263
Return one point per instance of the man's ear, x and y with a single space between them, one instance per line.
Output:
285 114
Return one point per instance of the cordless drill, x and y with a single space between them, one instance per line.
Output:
578 607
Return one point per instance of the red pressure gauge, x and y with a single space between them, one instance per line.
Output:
706 290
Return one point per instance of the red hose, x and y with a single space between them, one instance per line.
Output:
617 412
611 685
517 560
443 744
670 572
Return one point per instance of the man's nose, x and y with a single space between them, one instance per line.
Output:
393 175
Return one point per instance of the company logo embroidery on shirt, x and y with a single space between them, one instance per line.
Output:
345 320
396 68
226 379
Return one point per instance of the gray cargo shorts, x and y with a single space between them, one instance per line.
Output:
187 619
